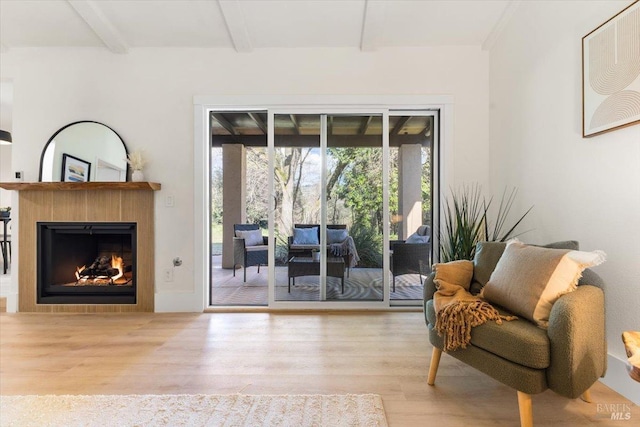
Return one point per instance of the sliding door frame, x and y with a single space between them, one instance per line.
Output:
203 105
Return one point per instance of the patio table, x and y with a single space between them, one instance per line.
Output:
306 266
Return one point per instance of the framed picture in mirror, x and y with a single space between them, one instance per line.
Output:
74 169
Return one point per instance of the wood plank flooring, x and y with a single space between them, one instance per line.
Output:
270 353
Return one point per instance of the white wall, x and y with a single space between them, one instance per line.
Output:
6 113
147 97
583 189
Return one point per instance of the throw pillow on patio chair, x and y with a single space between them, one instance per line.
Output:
249 247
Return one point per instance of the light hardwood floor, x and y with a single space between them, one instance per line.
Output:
270 353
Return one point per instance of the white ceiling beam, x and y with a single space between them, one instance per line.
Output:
100 24
236 26
372 25
506 16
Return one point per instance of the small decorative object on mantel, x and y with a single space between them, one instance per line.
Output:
137 162
611 74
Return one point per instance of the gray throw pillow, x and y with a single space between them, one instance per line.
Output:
305 236
336 235
416 238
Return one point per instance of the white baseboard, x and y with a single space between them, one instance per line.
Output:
177 302
618 379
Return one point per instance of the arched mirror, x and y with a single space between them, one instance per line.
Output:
84 151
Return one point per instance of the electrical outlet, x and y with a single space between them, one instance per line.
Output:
169 201
168 274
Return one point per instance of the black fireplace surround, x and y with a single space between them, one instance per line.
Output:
79 262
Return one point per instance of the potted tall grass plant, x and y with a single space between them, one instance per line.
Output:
465 222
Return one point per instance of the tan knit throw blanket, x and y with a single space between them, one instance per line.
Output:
457 311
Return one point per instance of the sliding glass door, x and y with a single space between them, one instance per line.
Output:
326 208
354 213
297 188
411 138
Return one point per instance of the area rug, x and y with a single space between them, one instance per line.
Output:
193 410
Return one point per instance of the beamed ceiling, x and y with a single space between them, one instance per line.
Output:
249 25
303 130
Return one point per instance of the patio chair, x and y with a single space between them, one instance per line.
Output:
249 247
411 256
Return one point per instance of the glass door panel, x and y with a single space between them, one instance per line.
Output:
354 208
297 190
410 196
239 202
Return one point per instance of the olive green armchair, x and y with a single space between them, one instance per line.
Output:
567 358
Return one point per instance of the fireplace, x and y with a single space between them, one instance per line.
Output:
86 262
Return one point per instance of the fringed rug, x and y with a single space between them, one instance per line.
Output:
193 410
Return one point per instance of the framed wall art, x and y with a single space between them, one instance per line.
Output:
74 169
611 73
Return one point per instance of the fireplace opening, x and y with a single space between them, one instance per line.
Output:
86 263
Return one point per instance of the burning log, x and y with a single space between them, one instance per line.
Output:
100 267
103 267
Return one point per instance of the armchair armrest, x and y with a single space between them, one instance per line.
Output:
577 341
429 287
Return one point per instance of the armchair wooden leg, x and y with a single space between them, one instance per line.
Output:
526 412
433 368
586 396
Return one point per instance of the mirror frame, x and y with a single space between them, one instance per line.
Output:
44 150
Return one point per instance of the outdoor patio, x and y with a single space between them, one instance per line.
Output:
363 284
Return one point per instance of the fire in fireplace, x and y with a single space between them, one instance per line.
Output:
103 271
86 263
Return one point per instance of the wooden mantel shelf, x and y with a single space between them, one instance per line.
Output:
71 186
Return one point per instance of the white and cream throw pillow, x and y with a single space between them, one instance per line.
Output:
251 237
528 279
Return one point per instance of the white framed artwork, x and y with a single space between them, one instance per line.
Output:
611 73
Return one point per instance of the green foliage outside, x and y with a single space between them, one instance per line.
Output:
354 194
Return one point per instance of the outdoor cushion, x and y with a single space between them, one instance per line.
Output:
336 235
529 279
416 238
251 237
423 230
305 236
257 248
